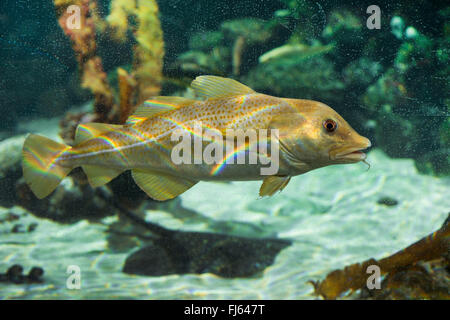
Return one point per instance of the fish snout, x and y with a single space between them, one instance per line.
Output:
351 153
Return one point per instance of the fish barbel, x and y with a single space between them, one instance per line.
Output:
300 135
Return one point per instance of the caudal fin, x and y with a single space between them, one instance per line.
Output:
41 170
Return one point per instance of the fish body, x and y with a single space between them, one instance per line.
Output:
147 145
293 132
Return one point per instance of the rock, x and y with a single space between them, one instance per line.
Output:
151 261
32 227
8 217
70 202
35 274
10 168
15 275
199 252
387 201
17 228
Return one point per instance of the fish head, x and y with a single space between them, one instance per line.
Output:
319 136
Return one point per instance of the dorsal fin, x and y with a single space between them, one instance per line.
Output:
218 87
91 130
158 105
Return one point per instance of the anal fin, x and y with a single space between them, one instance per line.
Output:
273 184
99 176
160 186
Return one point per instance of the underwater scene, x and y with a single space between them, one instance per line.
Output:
224 149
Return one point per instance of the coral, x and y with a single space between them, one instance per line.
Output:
84 45
251 29
354 277
345 31
233 49
250 35
143 81
308 76
127 85
205 40
361 73
149 53
389 92
197 62
294 49
117 19
408 102
306 18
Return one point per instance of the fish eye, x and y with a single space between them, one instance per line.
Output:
330 125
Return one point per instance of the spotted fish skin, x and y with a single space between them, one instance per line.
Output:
147 144
310 135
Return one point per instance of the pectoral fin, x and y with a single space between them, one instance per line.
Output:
160 186
273 184
98 176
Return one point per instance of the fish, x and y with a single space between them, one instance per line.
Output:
161 141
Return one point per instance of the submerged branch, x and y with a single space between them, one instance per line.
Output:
354 277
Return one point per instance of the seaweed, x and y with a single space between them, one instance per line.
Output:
435 246
144 79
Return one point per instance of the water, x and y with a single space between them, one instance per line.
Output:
390 83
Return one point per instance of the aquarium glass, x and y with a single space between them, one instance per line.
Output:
224 149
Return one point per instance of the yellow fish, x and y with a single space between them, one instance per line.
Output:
171 143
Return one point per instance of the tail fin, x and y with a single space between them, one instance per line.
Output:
40 169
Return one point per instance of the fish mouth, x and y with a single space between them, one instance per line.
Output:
352 154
